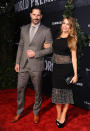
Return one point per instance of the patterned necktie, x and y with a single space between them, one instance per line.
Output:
32 33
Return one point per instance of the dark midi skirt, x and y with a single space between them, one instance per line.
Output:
61 92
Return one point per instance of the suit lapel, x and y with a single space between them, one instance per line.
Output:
27 31
36 34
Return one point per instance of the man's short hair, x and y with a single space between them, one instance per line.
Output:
36 7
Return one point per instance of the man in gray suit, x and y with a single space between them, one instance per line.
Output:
30 61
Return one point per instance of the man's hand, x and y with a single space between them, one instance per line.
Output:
30 53
17 67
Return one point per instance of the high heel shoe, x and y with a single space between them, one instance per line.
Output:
57 122
61 125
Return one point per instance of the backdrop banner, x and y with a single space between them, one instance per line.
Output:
52 16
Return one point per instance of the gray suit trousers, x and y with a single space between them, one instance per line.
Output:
36 78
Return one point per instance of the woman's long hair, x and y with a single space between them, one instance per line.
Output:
72 37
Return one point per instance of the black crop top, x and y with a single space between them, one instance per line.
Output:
60 46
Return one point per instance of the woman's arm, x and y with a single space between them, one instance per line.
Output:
74 63
47 45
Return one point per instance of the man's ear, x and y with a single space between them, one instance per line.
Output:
30 14
41 16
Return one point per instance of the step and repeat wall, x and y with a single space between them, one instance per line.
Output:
52 16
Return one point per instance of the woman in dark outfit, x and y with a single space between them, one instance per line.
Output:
65 64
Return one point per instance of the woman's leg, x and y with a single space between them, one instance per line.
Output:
63 114
58 108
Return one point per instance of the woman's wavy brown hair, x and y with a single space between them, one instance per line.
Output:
72 38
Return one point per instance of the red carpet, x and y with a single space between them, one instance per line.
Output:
78 119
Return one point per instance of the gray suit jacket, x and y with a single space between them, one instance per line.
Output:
42 35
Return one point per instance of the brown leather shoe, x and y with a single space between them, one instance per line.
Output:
16 118
36 119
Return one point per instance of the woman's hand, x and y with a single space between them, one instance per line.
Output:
46 45
74 79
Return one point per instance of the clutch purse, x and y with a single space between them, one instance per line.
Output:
68 79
